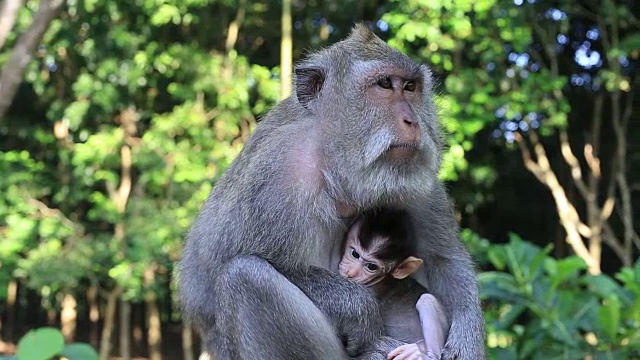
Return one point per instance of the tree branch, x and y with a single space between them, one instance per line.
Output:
232 38
574 165
55 213
568 214
528 161
8 13
13 70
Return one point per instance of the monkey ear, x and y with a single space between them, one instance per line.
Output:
309 81
427 76
407 267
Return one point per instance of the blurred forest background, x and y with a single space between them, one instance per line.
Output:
117 116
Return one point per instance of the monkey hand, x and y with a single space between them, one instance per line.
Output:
464 344
410 352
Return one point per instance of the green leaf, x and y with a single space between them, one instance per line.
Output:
79 351
609 316
630 43
500 286
565 269
498 257
40 344
602 285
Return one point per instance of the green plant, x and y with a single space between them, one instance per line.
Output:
46 343
538 307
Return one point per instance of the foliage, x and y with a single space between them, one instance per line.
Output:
45 343
538 307
86 88
513 67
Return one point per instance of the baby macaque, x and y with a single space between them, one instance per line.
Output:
379 255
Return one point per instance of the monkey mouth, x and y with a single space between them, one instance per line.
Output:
403 151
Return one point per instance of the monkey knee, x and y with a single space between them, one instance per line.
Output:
240 271
428 301
241 264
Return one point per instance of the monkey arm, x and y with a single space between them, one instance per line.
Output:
449 274
434 325
261 313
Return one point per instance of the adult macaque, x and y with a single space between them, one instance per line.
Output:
378 254
259 268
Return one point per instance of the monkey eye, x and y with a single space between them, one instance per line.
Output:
372 267
384 82
354 253
410 86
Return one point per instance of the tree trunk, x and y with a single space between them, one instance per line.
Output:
138 324
94 315
8 13
120 197
12 296
125 329
286 51
13 70
109 322
68 317
52 316
187 341
154 335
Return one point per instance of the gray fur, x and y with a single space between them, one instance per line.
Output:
398 310
247 277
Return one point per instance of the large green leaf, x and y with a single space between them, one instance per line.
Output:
79 351
40 344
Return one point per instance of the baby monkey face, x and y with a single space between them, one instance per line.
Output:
365 266
361 265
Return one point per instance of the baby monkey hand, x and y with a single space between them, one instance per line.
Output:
416 351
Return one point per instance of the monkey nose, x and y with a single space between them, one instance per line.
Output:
350 273
409 120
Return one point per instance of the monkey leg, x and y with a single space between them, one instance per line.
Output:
352 310
435 325
262 315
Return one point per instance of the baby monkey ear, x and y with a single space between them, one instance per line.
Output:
407 267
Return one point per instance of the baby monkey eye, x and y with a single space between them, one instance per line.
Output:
410 86
384 82
355 254
372 267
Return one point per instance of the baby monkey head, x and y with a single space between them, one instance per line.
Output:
379 243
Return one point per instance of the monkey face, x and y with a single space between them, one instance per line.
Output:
377 122
364 267
393 98
360 266
367 258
